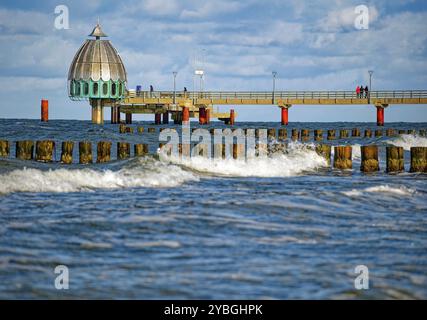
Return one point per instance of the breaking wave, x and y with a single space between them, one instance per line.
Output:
141 173
407 141
298 159
397 191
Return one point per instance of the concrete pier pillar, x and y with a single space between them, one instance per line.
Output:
103 152
140 129
97 111
123 150
318 135
24 150
67 152
4 148
185 115
411 131
394 159
202 116
284 116
113 115
166 117
418 159
44 111
331 135
128 118
378 133
324 150
44 150
208 116
157 118
369 159
85 152
151 130
422 133
232 117
401 131
380 115
368 133
343 157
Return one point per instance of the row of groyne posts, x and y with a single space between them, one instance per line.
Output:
44 150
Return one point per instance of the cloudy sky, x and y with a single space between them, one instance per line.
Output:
313 45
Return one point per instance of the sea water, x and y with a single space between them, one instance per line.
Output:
286 226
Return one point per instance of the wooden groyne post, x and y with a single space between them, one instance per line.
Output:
67 152
343 157
24 150
44 150
369 159
394 159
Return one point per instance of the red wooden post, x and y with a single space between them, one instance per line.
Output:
185 115
231 117
45 110
380 116
285 117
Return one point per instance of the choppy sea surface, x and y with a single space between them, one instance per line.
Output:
284 227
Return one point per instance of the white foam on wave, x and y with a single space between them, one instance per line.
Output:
407 141
142 174
299 159
397 191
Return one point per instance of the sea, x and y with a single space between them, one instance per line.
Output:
287 226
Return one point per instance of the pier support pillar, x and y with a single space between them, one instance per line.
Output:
208 116
166 117
232 117
202 116
115 114
97 111
157 118
185 115
128 118
44 111
284 115
380 114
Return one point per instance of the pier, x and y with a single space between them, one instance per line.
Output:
175 103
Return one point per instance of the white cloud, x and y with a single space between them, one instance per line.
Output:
211 8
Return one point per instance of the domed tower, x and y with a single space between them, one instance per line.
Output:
97 74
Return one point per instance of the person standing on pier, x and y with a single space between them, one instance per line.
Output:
366 92
358 92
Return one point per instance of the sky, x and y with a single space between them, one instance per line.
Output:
312 45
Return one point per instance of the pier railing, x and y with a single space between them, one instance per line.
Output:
267 95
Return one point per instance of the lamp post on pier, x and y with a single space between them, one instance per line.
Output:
174 86
274 73
371 72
